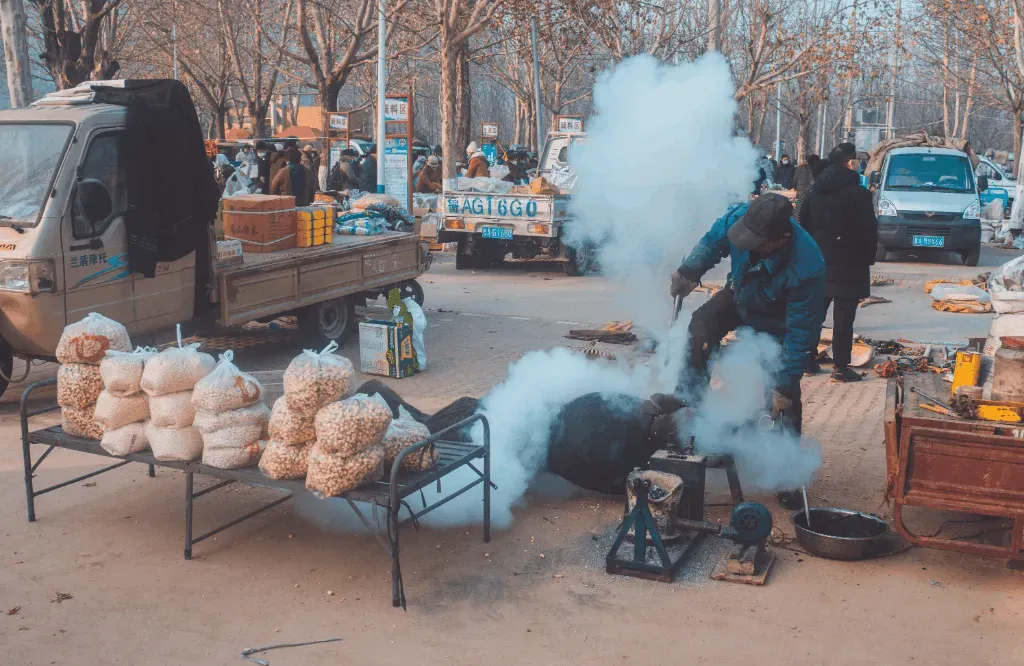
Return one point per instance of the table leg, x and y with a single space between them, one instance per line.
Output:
188 515
152 471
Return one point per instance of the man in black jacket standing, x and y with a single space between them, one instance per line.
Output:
839 214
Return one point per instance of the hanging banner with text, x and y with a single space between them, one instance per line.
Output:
397 144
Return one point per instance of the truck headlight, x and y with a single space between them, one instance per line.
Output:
973 210
886 207
27 277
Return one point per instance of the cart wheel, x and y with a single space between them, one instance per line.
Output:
412 289
6 365
327 321
579 259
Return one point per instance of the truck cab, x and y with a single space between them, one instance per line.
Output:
998 177
928 198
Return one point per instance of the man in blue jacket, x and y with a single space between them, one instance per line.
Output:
776 286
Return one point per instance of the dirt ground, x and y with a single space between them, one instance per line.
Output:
537 594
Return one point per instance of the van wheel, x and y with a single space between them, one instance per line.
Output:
881 253
578 260
327 321
972 256
6 365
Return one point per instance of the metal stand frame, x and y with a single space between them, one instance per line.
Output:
642 523
390 494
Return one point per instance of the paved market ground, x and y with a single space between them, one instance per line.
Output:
537 594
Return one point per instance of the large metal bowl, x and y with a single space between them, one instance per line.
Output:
840 534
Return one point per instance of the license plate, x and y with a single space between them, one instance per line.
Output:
499 233
929 241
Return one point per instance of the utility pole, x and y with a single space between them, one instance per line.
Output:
714 25
822 119
381 83
778 121
890 112
174 39
536 86
19 69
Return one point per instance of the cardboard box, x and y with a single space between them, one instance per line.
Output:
229 253
263 222
385 348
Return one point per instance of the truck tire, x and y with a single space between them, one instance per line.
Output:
6 365
327 321
412 289
972 256
881 253
578 260
464 261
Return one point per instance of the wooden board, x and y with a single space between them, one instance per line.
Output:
762 568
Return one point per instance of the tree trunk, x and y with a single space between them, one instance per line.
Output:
464 100
222 115
803 137
448 104
1017 212
15 36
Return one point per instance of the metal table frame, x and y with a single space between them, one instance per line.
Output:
391 493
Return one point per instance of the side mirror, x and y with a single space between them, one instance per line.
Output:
982 183
94 200
875 179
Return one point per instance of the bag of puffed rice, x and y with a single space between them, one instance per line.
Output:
285 461
313 380
232 458
176 369
113 411
80 422
226 388
122 371
172 410
178 444
126 439
78 385
256 415
350 426
88 340
403 432
288 426
330 474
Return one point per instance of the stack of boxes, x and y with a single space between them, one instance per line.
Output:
314 225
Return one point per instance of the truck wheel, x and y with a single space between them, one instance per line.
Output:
412 289
971 257
579 259
327 321
881 253
6 365
464 261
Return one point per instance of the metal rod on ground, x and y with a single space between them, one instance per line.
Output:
914 389
807 506
249 651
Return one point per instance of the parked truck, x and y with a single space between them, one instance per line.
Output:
64 248
488 226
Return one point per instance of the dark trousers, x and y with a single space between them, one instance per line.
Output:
711 322
842 328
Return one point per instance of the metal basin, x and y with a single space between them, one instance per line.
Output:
840 534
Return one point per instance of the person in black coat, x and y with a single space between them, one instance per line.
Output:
368 171
805 174
785 172
840 216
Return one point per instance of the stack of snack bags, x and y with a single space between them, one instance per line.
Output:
230 415
122 409
311 381
83 345
348 451
402 433
168 380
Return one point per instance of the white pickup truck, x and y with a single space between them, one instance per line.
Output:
488 226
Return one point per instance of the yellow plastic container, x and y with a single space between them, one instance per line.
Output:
966 370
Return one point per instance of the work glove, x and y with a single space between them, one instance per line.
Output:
681 286
781 403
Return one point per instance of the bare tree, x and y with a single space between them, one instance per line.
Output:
78 39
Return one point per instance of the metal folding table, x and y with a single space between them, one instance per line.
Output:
393 493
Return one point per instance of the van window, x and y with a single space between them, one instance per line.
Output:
930 172
102 162
29 161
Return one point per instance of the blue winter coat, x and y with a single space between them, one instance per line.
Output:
783 294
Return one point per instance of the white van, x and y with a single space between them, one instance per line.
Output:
928 198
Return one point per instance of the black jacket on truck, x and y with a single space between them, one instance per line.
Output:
840 215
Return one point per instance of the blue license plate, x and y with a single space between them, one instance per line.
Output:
929 241
498 233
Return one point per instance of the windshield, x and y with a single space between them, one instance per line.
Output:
930 172
30 157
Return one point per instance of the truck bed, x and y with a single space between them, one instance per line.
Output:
278 282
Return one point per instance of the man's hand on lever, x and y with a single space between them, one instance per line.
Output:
681 286
781 403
